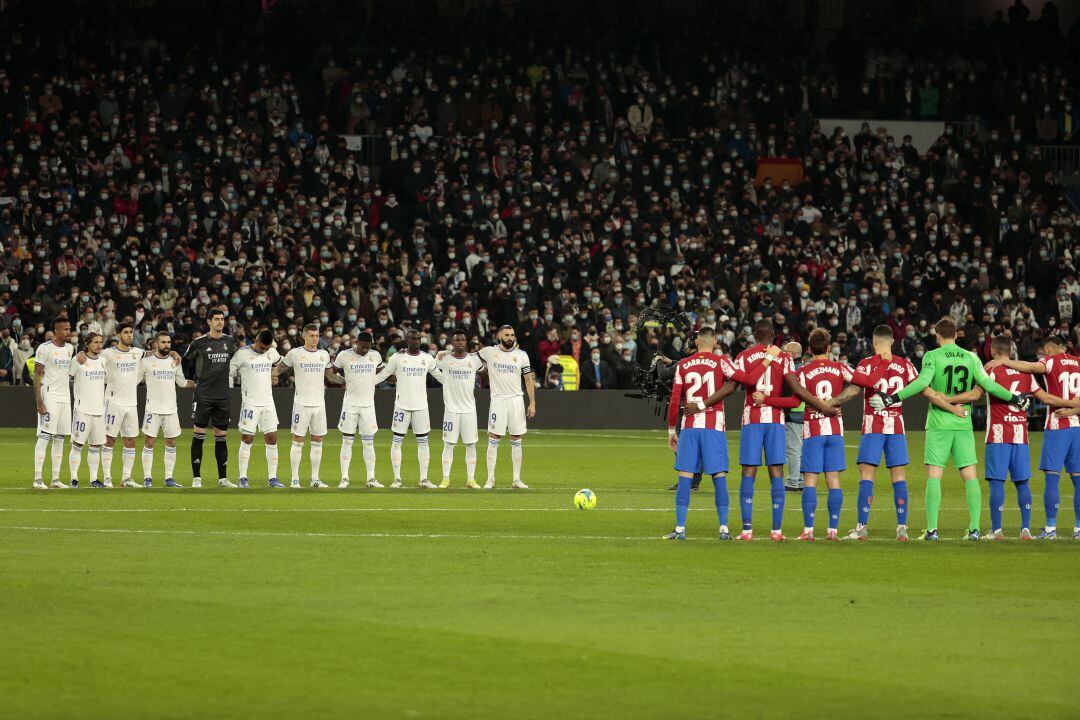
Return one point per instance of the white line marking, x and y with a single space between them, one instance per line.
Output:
374 509
423 536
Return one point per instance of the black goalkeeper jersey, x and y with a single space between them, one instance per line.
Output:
207 363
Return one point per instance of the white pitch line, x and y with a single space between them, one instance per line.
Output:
370 510
422 536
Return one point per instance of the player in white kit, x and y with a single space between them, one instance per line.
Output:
359 365
162 374
256 368
121 402
311 370
52 363
459 407
411 368
507 365
88 418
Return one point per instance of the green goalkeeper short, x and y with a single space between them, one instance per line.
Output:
957 444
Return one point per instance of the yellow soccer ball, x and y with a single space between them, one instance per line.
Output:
585 500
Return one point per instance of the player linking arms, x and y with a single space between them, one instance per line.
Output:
1007 452
950 370
702 444
883 430
1061 441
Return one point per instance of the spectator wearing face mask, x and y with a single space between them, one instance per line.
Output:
596 373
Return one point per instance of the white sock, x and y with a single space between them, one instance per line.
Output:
470 462
447 459
515 457
271 460
423 455
148 462
316 458
93 461
127 462
345 457
245 458
57 455
680 528
395 456
74 460
492 457
295 454
106 463
170 461
368 443
41 450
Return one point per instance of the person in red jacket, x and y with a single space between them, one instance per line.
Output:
549 346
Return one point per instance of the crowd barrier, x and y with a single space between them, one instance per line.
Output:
582 410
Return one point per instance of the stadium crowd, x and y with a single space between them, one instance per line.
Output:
149 172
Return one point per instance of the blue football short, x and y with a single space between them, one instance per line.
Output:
823 453
702 450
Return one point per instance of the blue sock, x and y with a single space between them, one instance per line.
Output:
809 506
779 495
1076 499
746 502
899 496
682 501
835 502
1052 498
866 496
720 495
1023 499
997 503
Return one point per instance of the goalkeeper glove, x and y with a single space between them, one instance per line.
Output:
1021 401
880 401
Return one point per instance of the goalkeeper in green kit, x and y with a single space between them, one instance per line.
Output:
950 370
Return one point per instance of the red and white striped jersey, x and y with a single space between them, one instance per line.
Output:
771 384
890 379
696 378
1008 423
824 379
1062 379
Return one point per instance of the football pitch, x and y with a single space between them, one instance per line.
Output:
453 603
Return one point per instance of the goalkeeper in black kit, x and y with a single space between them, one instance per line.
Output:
207 362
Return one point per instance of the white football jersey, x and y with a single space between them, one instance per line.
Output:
309 373
359 371
459 382
162 376
122 375
411 372
505 368
89 385
57 362
255 371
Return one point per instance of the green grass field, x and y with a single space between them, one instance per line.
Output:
453 603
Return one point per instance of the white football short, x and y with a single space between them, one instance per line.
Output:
355 419
168 423
57 417
309 420
121 420
460 427
506 416
258 419
417 420
87 429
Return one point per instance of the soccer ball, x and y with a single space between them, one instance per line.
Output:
585 500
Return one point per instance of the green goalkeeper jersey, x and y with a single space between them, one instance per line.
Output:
951 370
